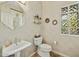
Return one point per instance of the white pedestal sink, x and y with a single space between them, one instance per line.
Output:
15 48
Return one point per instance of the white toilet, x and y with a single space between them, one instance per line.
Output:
43 49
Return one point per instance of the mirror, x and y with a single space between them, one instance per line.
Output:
11 15
47 20
54 22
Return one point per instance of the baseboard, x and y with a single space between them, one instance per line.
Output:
60 54
53 54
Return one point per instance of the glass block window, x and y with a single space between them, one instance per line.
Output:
70 19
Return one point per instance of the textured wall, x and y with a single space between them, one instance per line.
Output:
67 45
27 31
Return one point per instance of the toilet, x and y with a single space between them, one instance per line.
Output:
42 49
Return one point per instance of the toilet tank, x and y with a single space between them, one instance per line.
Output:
38 41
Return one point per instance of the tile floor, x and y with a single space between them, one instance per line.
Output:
51 55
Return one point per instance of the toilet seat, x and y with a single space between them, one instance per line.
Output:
45 47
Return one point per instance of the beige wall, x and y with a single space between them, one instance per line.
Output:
67 45
27 31
31 29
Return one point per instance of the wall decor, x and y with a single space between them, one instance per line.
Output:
47 20
54 22
70 19
37 19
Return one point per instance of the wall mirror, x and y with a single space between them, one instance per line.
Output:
54 22
47 20
11 15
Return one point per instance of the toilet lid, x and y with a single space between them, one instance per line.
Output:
45 46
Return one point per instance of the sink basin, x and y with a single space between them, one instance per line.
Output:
12 49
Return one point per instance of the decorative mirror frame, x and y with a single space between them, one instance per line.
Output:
54 22
47 20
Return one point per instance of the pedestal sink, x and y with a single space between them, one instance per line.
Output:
15 48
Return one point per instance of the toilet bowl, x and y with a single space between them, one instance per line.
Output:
44 49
